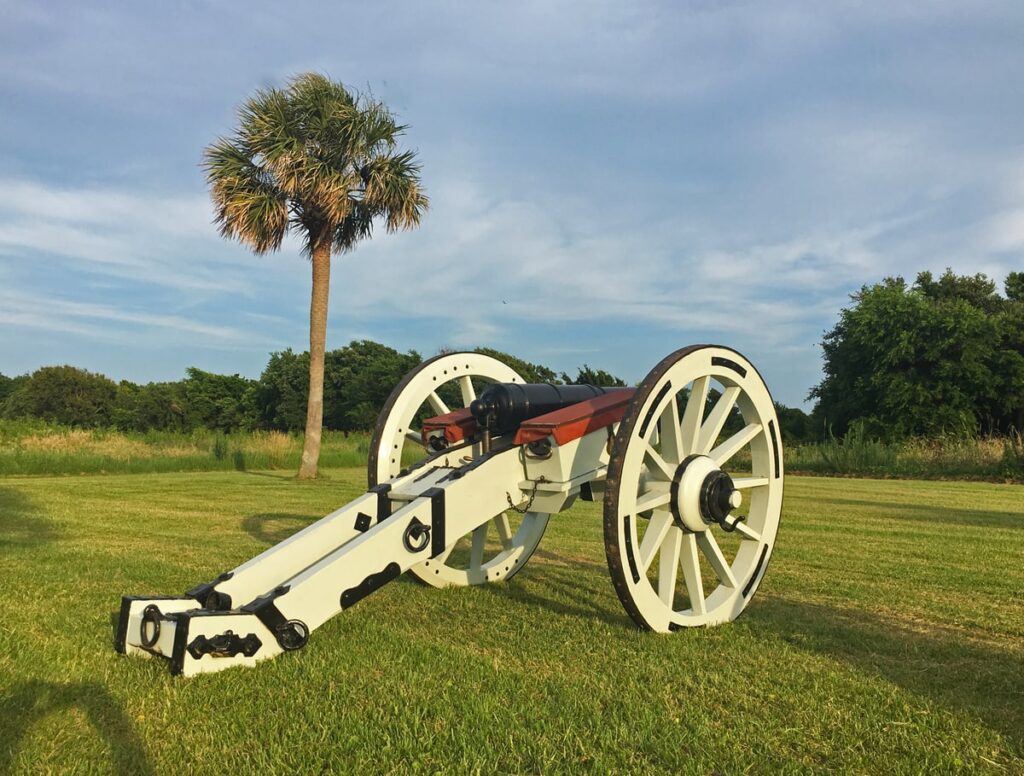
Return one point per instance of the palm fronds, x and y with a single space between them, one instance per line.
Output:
315 159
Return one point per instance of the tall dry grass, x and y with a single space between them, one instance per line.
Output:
35 448
995 458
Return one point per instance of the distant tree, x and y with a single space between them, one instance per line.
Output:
216 402
9 385
1014 286
362 376
942 356
796 425
585 375
531 373
977 290
357 381
64 394
151 407
281 393
324 163
1007 406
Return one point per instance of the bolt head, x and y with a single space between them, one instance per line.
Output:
735 499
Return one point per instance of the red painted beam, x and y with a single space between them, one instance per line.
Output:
577 420
457 425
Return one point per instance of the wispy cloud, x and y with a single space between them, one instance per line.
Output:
162 240
25 310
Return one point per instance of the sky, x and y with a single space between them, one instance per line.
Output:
609 181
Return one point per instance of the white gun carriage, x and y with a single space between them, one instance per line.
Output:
688 465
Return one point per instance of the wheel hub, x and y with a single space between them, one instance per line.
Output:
702 494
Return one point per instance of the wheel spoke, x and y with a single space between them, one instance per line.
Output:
476 551
694 413
735 443
656 464
690 562
439 406
414 436
671 435
652 500
709 546
466 386
747 532
668 566
716 419
504 530
657 528
742 483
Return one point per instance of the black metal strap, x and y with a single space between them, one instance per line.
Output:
202 593
266 610
290 634
383 502
437 518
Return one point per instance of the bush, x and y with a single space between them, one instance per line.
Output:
66 395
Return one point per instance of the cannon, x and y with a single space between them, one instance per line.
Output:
467 465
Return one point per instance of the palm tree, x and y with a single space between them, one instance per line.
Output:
322 162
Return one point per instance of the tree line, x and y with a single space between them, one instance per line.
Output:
357 381
936 357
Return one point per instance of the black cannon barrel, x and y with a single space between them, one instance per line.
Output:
501 407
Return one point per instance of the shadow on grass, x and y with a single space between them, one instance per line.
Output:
565 591
33 700
273 527
925 513
271 475
936 663
22 524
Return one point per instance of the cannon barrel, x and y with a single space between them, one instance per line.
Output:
501 407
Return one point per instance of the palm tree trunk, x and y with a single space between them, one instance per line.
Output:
317 345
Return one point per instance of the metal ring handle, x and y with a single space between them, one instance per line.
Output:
150 615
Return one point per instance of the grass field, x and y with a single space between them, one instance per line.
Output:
888 637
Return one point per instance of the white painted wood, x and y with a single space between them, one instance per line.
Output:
648 464
668 566
657 465
439 406
467 390
716 419
725 451
657 530
693 415
690 561
718 562
419 390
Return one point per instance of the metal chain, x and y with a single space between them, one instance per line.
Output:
529 503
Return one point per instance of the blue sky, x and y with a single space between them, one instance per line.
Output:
609 181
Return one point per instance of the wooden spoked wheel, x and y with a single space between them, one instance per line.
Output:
697 449
498 548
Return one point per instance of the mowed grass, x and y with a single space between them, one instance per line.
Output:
888 637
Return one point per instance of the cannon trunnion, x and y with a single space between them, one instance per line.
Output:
688 466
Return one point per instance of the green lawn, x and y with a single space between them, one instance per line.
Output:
888 636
